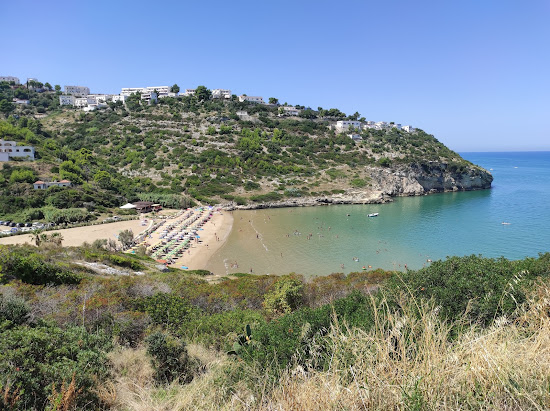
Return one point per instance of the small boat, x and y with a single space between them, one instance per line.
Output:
505 223
373 215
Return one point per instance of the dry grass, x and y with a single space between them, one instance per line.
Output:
406 361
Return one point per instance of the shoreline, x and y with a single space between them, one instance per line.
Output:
214 235
352 198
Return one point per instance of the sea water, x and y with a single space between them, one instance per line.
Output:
411 231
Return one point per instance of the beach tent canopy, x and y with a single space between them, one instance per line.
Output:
127 206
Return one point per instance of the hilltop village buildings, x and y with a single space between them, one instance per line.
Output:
80 97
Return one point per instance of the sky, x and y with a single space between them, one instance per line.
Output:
474 73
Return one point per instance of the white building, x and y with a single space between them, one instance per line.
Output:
43 185
408 129
9 79
78 91
160 90
81 102
252 99
21 101
189 92
345 125
355 137
118 97
66 100
221 93
128 91
100 98
11 149
289 111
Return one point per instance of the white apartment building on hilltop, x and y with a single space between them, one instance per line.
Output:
11 149
81 102
160 90
221 93
66 100
252 99
9 79
78 91
288 111
345 125
189 92
408 129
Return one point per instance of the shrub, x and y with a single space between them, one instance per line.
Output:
13 309
218 330
168 310
169 358
31 268
35 360
287 295
484 287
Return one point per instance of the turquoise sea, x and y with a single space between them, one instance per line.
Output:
411 230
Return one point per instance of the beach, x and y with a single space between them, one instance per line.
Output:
213 234
73 237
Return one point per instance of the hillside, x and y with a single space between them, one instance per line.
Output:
184 149
465 333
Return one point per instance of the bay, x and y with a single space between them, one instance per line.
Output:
410 231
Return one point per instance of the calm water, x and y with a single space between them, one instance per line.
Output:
408 231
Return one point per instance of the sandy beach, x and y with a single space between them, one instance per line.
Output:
76 236
213 234
212 237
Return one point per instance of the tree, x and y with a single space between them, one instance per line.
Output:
354 116
202 93
273 100
126 238
57 87
56 238
175 89
6 107
103 179
48 86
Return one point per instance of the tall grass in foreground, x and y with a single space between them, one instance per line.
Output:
407 361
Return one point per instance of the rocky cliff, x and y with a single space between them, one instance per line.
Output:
392 182
431 178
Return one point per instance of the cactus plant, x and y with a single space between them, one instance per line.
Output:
242 340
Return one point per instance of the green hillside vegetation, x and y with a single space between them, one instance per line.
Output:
194 148
468 332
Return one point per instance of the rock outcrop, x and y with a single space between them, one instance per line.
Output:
392 182
432 178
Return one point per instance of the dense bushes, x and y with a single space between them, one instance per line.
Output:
36 362
483 288
25 265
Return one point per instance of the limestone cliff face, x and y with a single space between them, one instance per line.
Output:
433 178
412 180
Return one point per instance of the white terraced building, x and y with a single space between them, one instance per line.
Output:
221 93
11 149
189 92
290 111
66 100
345 125
252 99
9 79
78 91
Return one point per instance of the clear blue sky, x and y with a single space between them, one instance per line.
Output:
476 74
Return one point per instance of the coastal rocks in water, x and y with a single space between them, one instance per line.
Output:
434 178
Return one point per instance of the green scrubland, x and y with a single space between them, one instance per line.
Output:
467 332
